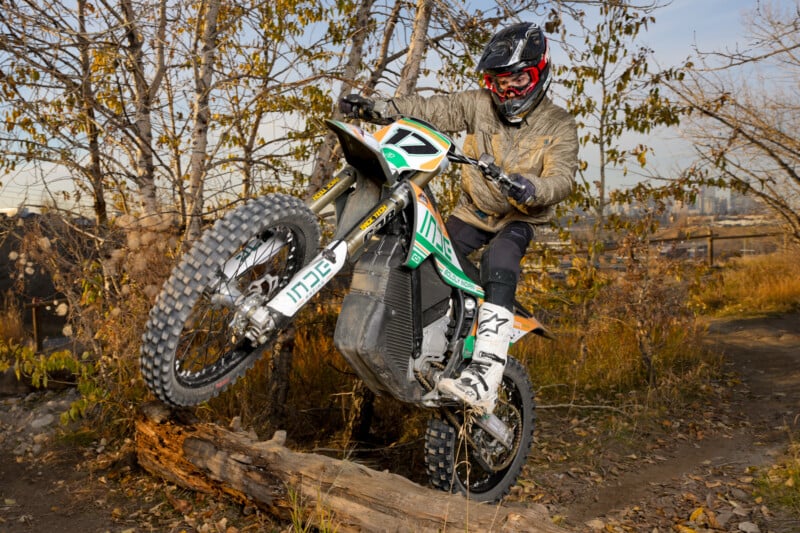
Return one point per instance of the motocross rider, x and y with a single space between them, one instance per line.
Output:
535 143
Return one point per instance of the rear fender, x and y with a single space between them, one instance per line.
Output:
525 325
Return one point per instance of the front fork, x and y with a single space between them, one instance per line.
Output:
257 318
262 251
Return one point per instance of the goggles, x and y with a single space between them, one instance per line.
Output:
515 84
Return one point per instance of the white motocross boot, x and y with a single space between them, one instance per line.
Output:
478 383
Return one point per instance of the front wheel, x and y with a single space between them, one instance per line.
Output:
462 457
192 348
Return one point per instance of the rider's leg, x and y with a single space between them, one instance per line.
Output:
500 269
500 264
465 238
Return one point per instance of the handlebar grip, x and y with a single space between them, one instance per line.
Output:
494 171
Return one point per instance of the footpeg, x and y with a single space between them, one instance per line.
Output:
431 399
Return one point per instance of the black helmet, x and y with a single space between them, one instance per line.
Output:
516 67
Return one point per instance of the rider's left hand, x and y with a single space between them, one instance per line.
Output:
522 191
356 106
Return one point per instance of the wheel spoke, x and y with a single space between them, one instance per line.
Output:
206 351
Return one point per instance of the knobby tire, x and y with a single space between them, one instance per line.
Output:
449 455
188 352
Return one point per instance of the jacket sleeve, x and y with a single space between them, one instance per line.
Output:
449 113
560 162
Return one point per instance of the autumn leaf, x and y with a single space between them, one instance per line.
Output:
179 504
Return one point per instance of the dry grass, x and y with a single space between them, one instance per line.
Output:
753 285
319 392
11 325
625 339
604 365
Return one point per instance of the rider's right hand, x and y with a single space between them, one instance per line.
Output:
357 106
521 190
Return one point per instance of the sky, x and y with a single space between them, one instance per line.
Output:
680 26
709 24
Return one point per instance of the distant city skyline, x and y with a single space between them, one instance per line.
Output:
710 201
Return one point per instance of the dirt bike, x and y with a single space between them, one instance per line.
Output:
408 320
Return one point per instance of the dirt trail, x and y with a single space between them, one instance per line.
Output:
711 478
689 479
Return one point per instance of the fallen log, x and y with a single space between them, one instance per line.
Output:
208 458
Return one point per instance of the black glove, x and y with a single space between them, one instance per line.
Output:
521 190
357 106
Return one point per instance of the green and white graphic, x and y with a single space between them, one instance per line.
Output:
431 239
411 145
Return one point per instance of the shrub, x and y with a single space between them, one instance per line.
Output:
109 281
627 339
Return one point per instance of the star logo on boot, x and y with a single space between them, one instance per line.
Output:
491 324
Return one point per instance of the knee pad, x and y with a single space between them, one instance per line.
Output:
500 286
502 276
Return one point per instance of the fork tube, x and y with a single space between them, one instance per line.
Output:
383 211
421 179
400 198
331 190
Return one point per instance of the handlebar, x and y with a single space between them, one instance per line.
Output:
487 167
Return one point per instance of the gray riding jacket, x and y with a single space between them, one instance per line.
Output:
543 148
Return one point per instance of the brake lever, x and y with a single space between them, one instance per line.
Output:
494 172
487 167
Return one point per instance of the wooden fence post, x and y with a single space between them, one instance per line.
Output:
710 247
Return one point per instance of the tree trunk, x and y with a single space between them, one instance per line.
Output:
207 32
145 92
416 49
326 157
360 414
279 379
94 170
207 458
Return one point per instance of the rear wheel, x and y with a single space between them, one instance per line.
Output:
193 347
462 457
